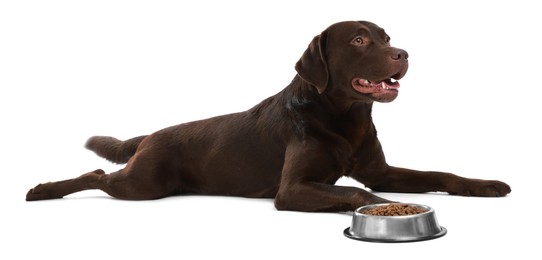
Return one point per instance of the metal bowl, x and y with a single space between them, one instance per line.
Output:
393 229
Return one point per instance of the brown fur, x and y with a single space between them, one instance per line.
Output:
292 147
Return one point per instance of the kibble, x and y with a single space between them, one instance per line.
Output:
394 209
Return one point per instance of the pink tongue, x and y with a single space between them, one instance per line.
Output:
394 85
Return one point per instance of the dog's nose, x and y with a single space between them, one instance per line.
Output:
399 54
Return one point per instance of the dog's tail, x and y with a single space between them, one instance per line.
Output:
112 149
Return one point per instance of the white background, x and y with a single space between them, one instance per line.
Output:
469 104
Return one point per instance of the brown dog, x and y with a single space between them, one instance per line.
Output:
292 146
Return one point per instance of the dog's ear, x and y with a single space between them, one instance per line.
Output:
312 67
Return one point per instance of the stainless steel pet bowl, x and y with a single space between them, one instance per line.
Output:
393 229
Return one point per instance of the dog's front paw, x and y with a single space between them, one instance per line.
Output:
482 188
40 192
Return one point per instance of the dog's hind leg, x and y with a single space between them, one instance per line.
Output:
139 180
59 189
118 184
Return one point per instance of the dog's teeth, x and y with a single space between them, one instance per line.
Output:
366 82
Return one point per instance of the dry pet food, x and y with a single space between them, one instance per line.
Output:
394 209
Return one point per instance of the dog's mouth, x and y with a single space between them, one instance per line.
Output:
385 90
365 86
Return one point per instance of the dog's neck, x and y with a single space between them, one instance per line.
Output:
301 95
339 104
312 110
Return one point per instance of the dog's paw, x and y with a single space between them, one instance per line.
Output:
483 188
40 192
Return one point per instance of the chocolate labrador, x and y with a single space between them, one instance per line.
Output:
292 146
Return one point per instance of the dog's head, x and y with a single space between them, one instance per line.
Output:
354 60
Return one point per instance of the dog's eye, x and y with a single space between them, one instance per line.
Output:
387 39
357 41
